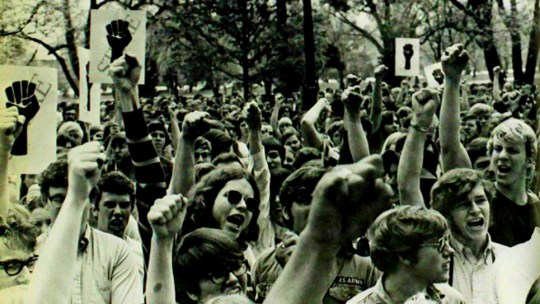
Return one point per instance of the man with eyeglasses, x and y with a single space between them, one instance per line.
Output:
410 245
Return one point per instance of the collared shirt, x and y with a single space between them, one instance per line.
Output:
437 293
106 271
474 278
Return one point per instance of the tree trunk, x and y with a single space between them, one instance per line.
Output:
534 46
70 38
311 86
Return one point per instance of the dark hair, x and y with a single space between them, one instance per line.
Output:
289 133
400 232
113 182
56 175
202 252
226 158
220 141
203 196
272 143
304 155
454 186
298 188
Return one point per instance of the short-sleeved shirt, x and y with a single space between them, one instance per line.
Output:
437 293
355 275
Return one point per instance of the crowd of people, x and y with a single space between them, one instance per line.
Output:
376 194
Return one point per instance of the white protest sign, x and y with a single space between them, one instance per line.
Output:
89 93
34 92
434 74
113 33
407 56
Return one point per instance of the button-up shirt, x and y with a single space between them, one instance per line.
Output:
106 271
472 277
437 293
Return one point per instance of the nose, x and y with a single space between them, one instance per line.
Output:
117 209
475 208
503 154
448 250
232 279
241 204
23 277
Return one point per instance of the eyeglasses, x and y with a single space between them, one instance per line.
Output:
221 277
234 197
273 154
14 267
440 244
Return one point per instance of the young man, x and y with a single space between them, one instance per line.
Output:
355 273
410 245
462 196
512 148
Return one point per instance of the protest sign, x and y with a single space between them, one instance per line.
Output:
89 93
407 56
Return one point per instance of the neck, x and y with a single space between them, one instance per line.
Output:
477 246
516 192
401 285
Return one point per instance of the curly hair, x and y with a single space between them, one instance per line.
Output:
16 230
203 195
454 186
399 232
56 175
113 182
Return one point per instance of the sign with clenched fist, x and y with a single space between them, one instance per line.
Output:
89 93
434 75
113 33
33 91
407 54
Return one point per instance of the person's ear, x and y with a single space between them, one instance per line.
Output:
192 296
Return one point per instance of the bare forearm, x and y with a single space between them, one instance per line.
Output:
296 284
183 176
128 101
4 184
274 119
376 106
255 142
496 88
410 168
356 136
160 282
55 269
453 153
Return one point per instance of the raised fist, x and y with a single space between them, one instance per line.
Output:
253 116
194 125
10 125
125 73
438 75
408 52
167 215
118 36
352 100
454 61
380 71
84 167
21 94
497 70
425 103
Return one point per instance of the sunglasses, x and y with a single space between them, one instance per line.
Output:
14 267
222 276
440 244
234 197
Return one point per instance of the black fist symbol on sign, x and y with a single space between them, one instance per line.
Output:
408 52
21 94
118 36
438 75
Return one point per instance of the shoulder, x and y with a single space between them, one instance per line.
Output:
112 243
449 295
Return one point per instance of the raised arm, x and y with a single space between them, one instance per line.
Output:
453 153
55 270
465 90
425 104
166 218
496 86
345 202
352 122
311 136
261 172
183 175
274 118
149 175
376 107
10 126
